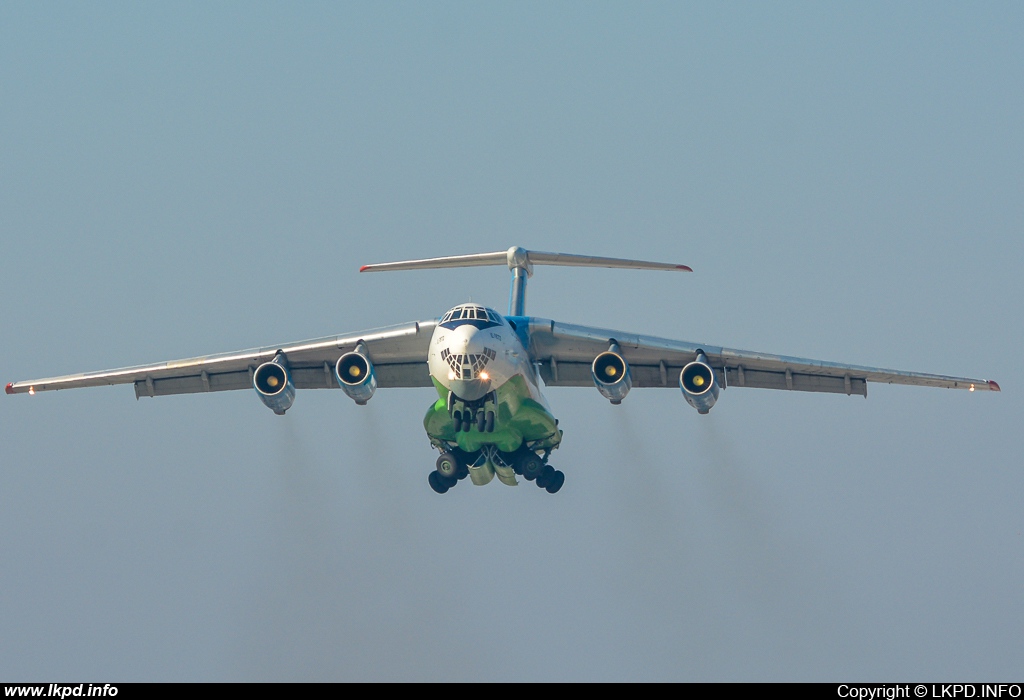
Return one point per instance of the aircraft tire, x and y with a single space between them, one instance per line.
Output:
437 483
544 478
447 465
531 466
457 420
481 421
489 422
555 483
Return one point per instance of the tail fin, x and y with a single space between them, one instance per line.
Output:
521 261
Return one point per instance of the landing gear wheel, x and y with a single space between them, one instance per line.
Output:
489 422
480 421
532 466
555 482
437 482
457 420
544 478
448 465
466 420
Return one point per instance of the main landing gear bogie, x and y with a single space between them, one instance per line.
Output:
452 467
449 470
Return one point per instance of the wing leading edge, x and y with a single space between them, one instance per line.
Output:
399 355
565 353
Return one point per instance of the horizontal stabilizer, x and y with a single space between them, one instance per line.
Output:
520 258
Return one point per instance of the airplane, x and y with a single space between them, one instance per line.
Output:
490 418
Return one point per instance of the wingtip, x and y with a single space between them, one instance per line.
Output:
364 268
684 268
10 388
993 386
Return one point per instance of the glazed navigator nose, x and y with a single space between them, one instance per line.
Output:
467 357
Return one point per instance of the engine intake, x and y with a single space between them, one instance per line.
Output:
611 374
273 383
697 381
355 375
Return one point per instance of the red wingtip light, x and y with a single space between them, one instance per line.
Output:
993 386
364 268
10 388
684 267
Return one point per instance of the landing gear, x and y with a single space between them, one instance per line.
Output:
550 479
448 465
439 483
555 484
453 465
450 469
462 420
473 413
531 466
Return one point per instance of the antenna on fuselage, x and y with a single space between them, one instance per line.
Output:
520 263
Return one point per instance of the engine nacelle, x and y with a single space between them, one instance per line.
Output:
273 383
611 374
697 380
355 375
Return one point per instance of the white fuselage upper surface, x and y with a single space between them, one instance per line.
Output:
474 351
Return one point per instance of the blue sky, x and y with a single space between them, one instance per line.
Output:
845 181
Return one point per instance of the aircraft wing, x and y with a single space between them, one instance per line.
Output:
565 353
398 353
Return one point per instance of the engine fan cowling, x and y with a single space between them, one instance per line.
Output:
273 384
354 374
698 384
611 375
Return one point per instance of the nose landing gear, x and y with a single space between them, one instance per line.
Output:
473 413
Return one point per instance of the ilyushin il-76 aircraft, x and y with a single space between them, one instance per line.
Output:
490 418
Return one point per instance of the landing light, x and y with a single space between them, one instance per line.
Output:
972 387
31 391
451 375
485 376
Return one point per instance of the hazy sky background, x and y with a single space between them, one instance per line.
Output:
846 180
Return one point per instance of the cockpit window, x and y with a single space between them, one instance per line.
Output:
479 316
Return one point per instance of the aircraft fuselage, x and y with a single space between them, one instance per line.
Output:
480 365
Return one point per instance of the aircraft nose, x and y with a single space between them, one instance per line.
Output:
468 357
468 340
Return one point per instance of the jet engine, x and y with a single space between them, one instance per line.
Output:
273 383
355 375
697 380
611 374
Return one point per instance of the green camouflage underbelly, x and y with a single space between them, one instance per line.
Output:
518 418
